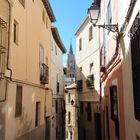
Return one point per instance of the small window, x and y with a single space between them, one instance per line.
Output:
37 114
16 28
69 98
90 33
69 117
80 85
22 2
41 55
46 22
80 44
90 67
18 109
56 106
58 85
43 16
109 14
55 50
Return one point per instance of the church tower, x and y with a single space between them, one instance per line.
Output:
71 63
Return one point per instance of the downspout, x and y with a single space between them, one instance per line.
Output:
8 49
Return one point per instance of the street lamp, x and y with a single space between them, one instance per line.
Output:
93 13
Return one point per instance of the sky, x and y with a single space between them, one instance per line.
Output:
69 14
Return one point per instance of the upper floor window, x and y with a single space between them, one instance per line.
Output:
43 16
90 33
56 50
69 98
22 2
46 22
41 55
15 32
80 44
80 85
56 106
90 67
109 13
135 52
69 117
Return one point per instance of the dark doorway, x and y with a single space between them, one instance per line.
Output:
98 126
47 129
107 123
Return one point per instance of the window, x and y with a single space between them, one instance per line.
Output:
69 117
80 44
69 98
37 114
18 109
46 22
70 135
90 67
81 108
80 85
135 52
103 51
56 106
55 50
90 33
16 28
43 16
89 115
114 102
22 2
109 14
41 55
90 81
58 85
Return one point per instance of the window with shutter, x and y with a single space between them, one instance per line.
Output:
135 56
114 102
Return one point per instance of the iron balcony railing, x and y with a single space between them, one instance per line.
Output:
44 74
3 43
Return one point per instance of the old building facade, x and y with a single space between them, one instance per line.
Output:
119 69
57 87
26 100
71 103
87 72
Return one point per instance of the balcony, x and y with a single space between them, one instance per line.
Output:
3 43
44 74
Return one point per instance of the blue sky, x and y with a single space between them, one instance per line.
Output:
69 16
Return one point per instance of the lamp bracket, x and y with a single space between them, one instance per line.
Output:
111 27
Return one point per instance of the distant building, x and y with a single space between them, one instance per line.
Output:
71 103
88 82
71 68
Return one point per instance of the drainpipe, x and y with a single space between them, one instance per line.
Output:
8 49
